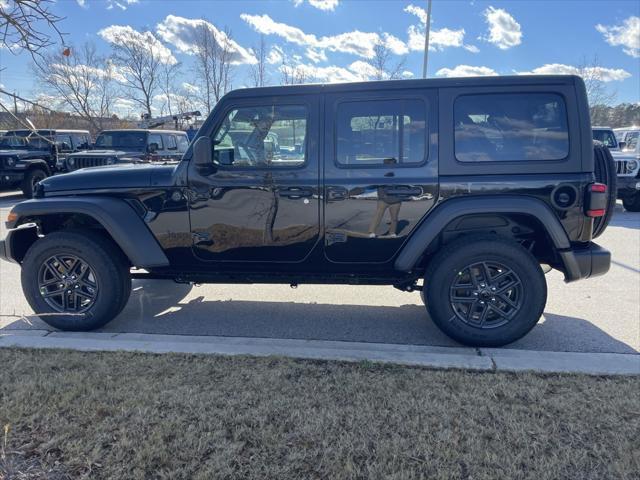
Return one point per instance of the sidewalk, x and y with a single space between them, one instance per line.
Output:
490 359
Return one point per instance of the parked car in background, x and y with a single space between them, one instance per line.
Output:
624 135
606 136
628 169
131 146
27 157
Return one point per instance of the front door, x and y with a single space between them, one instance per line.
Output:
260 202
380 171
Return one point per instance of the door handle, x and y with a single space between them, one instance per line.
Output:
296 192
403 191
336 193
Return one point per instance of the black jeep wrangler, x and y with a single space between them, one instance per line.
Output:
131 146
467 189
27 157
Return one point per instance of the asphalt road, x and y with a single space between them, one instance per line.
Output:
596 315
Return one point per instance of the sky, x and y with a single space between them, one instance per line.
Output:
331 40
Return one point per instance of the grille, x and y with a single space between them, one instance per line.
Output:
86 162
623 167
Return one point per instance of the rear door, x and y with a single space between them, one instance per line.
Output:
380 171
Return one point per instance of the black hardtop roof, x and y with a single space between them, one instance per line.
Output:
47 131
150 130
310 89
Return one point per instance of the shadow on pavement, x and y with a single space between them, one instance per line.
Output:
9 200
159 307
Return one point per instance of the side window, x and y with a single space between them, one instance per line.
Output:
263 136
64 142
80 141
381 132
155 138
510 127
183 143
171 142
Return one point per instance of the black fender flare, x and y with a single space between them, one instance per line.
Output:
449 210
36 163
117 217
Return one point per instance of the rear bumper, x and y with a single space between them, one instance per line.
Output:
588 261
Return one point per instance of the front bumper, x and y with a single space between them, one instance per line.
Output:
18 240
11 177
628 186
590 260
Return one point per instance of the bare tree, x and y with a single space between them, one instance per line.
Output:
213 66
382 65
83 81
293 73
168 75
259 69
592 74
140 58
29 25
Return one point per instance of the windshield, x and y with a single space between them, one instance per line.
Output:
129 140
22 142
607 137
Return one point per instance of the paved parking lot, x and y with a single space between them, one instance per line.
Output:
597 315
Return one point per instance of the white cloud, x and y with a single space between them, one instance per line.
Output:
466 71
276 55
125 35
182 33
504 31
190 88
121 4
319 4
81 3
316 56
604 74
355 42
626 35
407 74
439 39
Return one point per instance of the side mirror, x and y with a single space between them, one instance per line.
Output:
621 145
202 156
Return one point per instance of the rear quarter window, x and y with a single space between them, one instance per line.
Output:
511 127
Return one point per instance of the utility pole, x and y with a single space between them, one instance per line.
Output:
426 40
15 103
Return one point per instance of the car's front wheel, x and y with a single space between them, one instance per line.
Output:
631 203
76 281
31 179
485 291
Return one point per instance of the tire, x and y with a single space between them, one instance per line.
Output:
31 178
102 273
631 203
605 172
466 320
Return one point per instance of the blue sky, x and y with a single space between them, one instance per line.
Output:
331 39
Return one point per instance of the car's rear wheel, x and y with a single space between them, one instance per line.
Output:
631 203
31 179
485 291
76 281
605 172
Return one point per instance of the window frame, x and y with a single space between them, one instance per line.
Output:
381 98
511 161
248 104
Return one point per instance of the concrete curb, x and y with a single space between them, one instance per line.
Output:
418 355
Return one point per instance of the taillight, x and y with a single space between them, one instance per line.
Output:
596 202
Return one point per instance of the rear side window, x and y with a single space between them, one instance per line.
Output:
381 133
183 143
155 138
510 127
171 142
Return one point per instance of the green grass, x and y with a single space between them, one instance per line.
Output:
128 416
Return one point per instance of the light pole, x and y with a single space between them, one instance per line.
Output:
426 41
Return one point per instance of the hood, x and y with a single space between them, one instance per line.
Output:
107 153
22 153
113 177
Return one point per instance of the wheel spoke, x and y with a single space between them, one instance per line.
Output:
459 299
486 273
484 314
512 284
54 293
507 300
